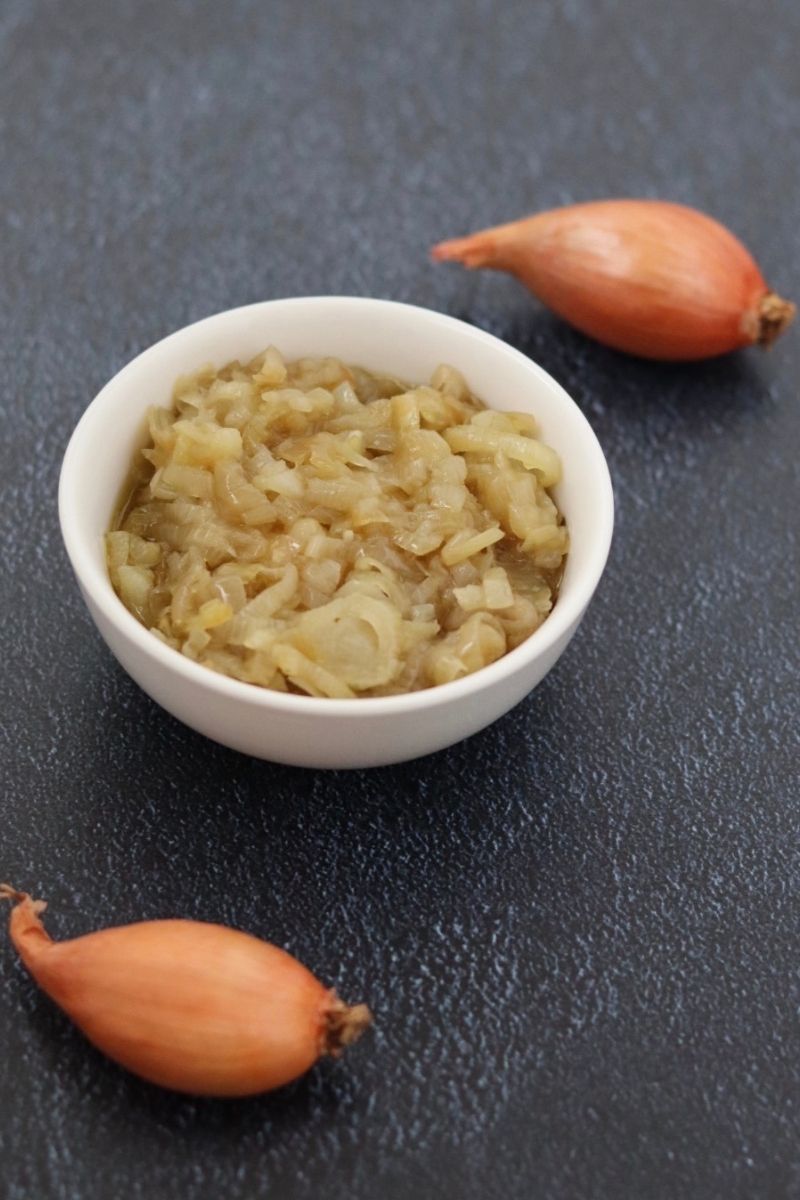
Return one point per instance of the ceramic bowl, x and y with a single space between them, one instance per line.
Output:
398 339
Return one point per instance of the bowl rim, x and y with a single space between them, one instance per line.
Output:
562 620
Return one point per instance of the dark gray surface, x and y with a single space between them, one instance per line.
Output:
579 929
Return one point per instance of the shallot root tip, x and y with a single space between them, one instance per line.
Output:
473 251
344 1025
774 316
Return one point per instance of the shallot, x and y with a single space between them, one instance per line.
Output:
192 1006
651 278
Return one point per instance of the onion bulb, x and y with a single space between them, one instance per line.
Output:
651 278
196 1007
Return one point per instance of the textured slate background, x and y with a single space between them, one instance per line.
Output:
579 929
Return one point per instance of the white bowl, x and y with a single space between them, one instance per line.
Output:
378 334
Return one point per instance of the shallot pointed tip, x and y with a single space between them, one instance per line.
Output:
472 251
34 907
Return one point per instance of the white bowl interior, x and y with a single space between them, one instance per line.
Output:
381 335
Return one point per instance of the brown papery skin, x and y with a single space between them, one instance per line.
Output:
651 278
191 1006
